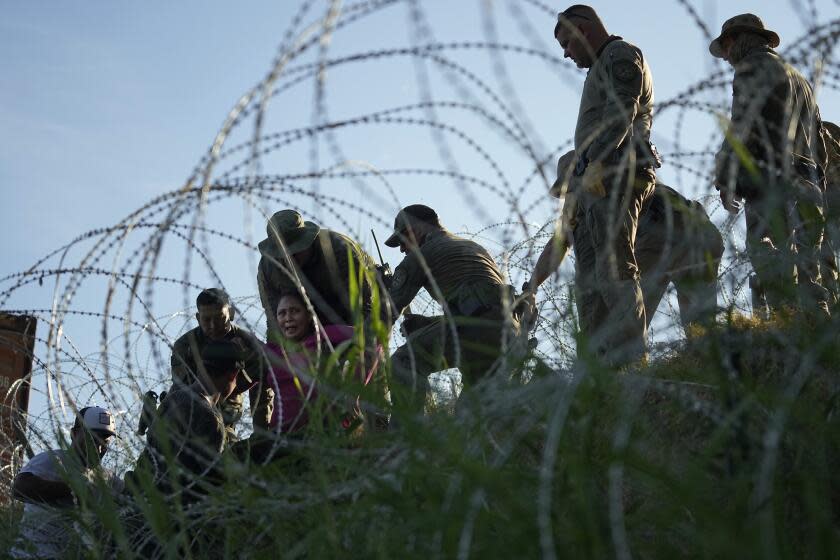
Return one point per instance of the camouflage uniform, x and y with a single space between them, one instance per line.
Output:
613 131
776 119
186 353
678 243
325 278
462 276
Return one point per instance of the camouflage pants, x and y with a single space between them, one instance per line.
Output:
609 297
784 243
473 346
687 255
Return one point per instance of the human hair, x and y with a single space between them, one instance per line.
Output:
292 294
212 296
577 12
744 43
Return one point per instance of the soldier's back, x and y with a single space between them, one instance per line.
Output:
464 273
775 98
672 226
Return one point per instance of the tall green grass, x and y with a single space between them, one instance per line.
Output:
726 448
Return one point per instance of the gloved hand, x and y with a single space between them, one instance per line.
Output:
385 275
592 181
525 309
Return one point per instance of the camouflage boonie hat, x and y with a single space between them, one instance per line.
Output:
743 22
289 227
565 170
415 212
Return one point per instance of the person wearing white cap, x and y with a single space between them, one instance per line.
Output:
771 161
42 484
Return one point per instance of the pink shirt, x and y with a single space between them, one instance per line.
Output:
291 376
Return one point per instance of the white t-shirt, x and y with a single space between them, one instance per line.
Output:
45 531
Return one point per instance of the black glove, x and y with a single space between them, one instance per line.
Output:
385 275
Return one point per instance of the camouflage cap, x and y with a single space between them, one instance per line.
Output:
565 169
409 214
288 227
740 23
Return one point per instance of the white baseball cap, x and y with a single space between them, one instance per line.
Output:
96 418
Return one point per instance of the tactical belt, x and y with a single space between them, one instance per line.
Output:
647 157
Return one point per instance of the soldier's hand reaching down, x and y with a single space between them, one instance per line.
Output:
525 308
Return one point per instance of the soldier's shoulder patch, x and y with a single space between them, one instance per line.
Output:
625 70
399 279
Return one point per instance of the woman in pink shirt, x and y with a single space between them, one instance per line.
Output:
303 359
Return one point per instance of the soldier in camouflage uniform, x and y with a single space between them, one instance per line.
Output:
775 125
676 242
616 168
215 323
461 275
298 253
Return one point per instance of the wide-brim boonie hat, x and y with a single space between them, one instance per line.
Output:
565 168
288 229
740 23
418 212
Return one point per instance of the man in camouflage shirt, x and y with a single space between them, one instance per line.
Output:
770 159
298 253
676 242
616 168
215 323
461 275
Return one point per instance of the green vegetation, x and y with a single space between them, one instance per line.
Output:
726 449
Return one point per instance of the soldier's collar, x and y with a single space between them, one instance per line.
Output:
609 40
432 234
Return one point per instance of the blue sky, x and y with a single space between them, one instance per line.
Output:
106 105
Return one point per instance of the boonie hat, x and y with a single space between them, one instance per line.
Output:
96 418
739 23
415 212
289 227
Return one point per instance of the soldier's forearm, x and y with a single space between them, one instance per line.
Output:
549 260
